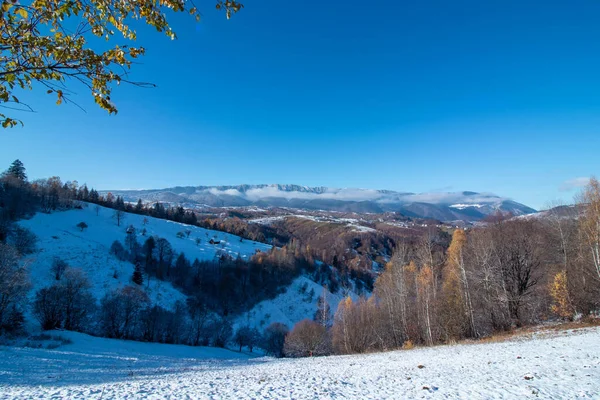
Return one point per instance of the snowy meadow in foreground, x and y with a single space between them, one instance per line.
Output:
563 364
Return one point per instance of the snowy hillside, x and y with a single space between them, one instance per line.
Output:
556 365
89 250
297 303
94 360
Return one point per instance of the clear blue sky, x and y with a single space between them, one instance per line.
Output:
497 96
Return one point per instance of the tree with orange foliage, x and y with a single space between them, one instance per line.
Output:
307 339
560 295
455 289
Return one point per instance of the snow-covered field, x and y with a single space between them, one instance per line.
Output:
562 365
89 250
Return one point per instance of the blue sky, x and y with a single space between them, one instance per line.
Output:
494 96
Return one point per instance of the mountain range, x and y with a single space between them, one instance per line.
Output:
450 206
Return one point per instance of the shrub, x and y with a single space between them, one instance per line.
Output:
408 345
307 339
274 339
67 304
23 240
82 225
48 308
117 249
59 266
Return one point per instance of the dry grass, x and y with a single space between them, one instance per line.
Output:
530 331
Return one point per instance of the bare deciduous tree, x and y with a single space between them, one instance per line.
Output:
14 284
307 339
119 216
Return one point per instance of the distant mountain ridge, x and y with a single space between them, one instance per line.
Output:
467 206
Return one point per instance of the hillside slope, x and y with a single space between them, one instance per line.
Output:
89 250
561 365
299 301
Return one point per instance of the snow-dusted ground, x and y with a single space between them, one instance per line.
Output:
292 306
89 250
563 365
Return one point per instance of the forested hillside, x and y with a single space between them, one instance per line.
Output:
73 259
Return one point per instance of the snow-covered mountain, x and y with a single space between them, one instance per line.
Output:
469 206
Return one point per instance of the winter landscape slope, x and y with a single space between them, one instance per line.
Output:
299 301
555 365
58 236
469 206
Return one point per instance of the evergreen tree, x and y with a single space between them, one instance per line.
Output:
139 207
94 196
120 203
17 170
138 277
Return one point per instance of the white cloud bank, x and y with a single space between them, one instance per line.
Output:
258 193
572 184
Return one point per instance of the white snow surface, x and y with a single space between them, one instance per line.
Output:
89 250
291 306
463 206
563 365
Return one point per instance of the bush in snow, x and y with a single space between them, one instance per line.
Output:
58 268
274 339
47 307
307 339
117 249
82 225
78 302
23 240
121 310
67 304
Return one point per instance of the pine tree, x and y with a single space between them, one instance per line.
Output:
17 170
139 207
138 278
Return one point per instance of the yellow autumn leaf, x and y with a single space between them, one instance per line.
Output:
22 12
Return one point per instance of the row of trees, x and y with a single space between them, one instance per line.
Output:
508 273
225 284
127 313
